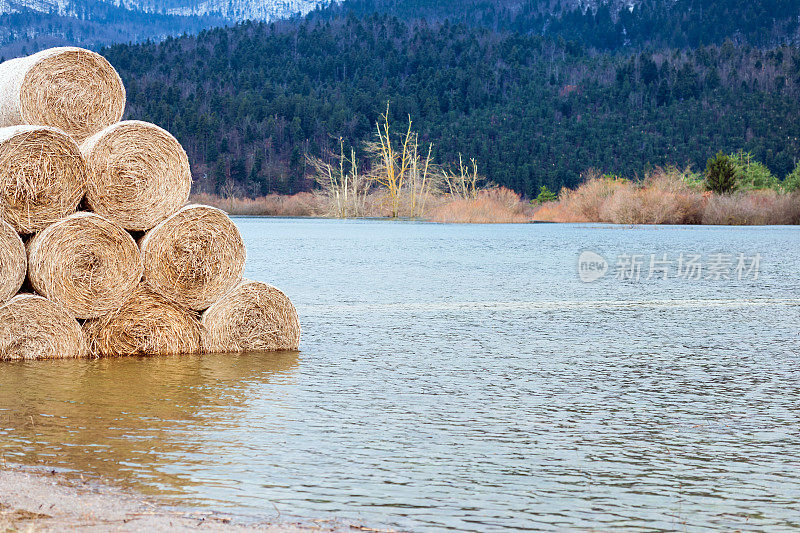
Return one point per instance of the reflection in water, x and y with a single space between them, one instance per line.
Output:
128 418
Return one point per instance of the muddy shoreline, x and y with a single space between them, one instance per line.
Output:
45 500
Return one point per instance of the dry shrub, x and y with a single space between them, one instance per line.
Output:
85 263
72 89
303 204
496 205
586 202
146 324
761 207
13 262
664 197
33 327
660 199
194 257
138 174
556 211
252 317
42 176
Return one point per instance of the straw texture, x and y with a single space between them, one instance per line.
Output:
147 324
194 257
138 174
13 262
85 263
33 327
42 176
253 316
72 89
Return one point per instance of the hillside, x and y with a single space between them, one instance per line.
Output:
612 24
249 102
605 25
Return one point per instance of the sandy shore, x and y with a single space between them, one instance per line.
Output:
40 501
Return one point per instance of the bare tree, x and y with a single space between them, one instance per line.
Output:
342 185
463 183
401 171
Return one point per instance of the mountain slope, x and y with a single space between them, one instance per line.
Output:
249 102
612 24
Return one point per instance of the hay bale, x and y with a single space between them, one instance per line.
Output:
33 327
194 257
138 174
85 263
146 324
13 262
252 317
42 176
72 89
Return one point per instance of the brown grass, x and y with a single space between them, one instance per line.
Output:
42 176
146 324
757 208
496 205
84 263
303 204
252 317
138 174
194 257
33 327
666 196
72 89
13 262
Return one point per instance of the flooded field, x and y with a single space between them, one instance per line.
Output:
465 378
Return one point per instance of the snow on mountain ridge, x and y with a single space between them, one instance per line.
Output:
232 10
250 9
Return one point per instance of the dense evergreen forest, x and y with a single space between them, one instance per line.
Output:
609 24
533 107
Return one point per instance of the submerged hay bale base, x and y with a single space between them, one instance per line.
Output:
194 257
72 89
252 317
42 176
33 327
85 263
147 324
13 262
138 174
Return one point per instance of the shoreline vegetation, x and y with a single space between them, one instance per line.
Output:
734 190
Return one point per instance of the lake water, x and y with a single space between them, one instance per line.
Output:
464 377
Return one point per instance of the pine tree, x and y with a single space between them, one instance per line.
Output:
720 174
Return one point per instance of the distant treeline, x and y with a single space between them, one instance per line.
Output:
250 102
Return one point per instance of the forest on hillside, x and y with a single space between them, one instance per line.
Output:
608 24
250 102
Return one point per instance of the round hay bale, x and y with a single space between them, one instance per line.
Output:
138 174
72 89
146 324
13 262
33 327
42 176
252 317
194 257
85 263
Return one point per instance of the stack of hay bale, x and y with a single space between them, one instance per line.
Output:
99 253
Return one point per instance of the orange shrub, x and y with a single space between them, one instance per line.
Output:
761 207
496 205
663 198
